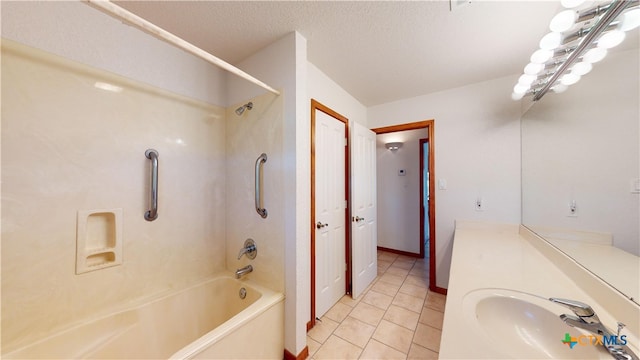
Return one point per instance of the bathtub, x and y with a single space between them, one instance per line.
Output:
208 320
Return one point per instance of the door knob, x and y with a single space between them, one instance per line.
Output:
358 218
320 225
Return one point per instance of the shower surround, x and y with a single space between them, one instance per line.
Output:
73 139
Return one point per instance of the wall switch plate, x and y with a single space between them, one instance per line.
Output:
479 204
402 172
442 184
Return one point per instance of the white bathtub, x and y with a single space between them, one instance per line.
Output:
208 320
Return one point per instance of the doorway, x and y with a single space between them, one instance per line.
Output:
427 205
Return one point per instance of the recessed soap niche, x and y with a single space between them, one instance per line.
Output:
98 239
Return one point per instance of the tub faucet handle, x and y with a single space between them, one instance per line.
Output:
249 249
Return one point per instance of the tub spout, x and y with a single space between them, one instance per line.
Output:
243 271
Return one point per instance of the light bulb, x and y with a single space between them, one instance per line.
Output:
569 79
520 89
630 20
533 69
551 41
515 96
527 80
570 4
594 55
611 39
581 68
559 88
541 56
563 21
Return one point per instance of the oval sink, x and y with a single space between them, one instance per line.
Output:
521 325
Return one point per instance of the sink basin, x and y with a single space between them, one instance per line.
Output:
521 325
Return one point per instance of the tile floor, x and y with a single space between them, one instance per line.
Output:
397 317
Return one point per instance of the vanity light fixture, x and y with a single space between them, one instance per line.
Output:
567 53
393 146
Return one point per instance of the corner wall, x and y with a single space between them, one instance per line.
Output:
477 152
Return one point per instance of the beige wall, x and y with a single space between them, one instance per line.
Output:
477 151
399 196
68 146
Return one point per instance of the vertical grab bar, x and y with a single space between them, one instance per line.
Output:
259 196
152 213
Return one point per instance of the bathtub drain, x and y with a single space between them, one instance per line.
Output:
243 293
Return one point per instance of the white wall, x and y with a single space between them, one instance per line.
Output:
283 65
399 196
329 93
583 145
477 151
76 31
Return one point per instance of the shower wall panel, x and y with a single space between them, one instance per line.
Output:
73 139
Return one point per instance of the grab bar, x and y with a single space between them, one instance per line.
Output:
152 214
259 196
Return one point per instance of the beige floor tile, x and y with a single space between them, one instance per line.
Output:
407 258
377 299
386 288
355 331
417 281
387 256
378 350
403 264
431 317
337 348
393 335
397 271
338 312
420 272
408 302
402 317
348 300
428 337
435 301
392 279
313 346
413 290
417 352
383 264
421 264
367 313
322 330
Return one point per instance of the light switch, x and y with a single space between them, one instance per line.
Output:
442 184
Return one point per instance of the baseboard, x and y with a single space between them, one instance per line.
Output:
303 354
438 290
400 252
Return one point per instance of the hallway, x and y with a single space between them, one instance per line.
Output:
397 317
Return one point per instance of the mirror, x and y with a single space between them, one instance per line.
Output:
581 169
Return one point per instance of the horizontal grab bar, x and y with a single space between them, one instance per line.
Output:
152 214
259 196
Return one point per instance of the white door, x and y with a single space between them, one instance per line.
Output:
363 221
330 208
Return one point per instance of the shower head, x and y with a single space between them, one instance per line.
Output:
241 109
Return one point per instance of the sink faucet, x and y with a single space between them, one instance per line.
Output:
243 271
587 319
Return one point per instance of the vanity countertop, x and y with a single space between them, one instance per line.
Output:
496 256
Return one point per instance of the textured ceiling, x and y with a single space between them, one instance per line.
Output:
379 51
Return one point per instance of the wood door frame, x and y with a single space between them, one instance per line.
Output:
430 126
316 105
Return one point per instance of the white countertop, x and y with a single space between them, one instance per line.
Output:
496 256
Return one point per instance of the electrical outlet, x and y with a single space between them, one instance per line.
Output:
479 205
573 209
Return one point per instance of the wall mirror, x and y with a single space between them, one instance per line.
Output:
581 169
